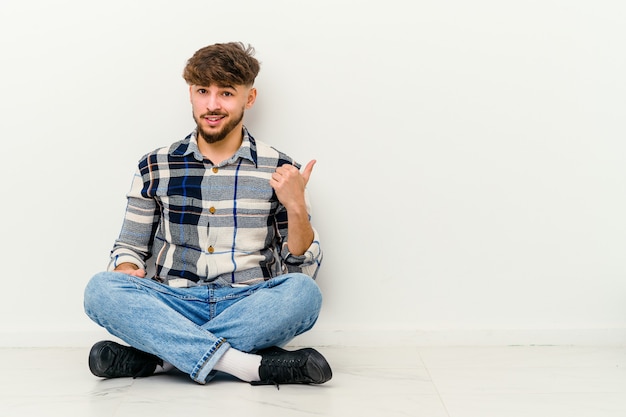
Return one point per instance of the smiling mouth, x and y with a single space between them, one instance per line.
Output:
213 120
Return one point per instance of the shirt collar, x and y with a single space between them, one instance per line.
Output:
189 146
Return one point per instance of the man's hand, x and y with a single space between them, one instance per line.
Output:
289 184
130 269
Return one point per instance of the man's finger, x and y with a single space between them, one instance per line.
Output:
307 170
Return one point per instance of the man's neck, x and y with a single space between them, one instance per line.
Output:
222 150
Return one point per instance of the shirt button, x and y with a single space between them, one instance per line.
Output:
215 169
212 210
211 249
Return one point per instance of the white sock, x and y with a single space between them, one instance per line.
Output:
244 366
166 367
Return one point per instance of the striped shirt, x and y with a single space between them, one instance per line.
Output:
199 222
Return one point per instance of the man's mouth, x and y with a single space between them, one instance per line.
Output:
213 119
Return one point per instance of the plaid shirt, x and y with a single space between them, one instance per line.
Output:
201 222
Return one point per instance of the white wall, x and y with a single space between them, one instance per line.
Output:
470 185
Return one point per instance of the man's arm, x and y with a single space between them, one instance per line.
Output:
289 185
134 243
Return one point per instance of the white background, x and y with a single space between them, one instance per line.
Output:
470 185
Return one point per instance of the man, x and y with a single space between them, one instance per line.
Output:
225 220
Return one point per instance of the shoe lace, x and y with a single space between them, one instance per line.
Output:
281 369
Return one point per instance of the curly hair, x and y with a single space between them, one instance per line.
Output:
222 64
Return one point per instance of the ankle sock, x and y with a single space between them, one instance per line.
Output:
165 367
244 366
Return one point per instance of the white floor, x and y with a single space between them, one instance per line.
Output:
422 381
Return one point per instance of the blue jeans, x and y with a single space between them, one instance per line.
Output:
192 328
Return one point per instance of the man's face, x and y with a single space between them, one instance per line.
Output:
218 110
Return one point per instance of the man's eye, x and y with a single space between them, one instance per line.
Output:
202 91
227 93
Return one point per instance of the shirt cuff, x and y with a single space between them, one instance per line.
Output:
122 258
312 255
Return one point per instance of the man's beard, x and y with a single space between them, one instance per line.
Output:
213 137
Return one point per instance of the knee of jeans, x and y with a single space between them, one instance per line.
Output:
305 288
99 286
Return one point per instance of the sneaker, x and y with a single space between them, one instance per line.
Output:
304 366
111 360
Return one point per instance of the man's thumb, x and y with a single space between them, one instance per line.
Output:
307 171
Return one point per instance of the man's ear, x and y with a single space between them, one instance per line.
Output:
251 97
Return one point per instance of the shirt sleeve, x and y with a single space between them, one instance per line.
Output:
134 243
307 263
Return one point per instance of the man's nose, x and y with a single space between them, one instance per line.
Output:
213 102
